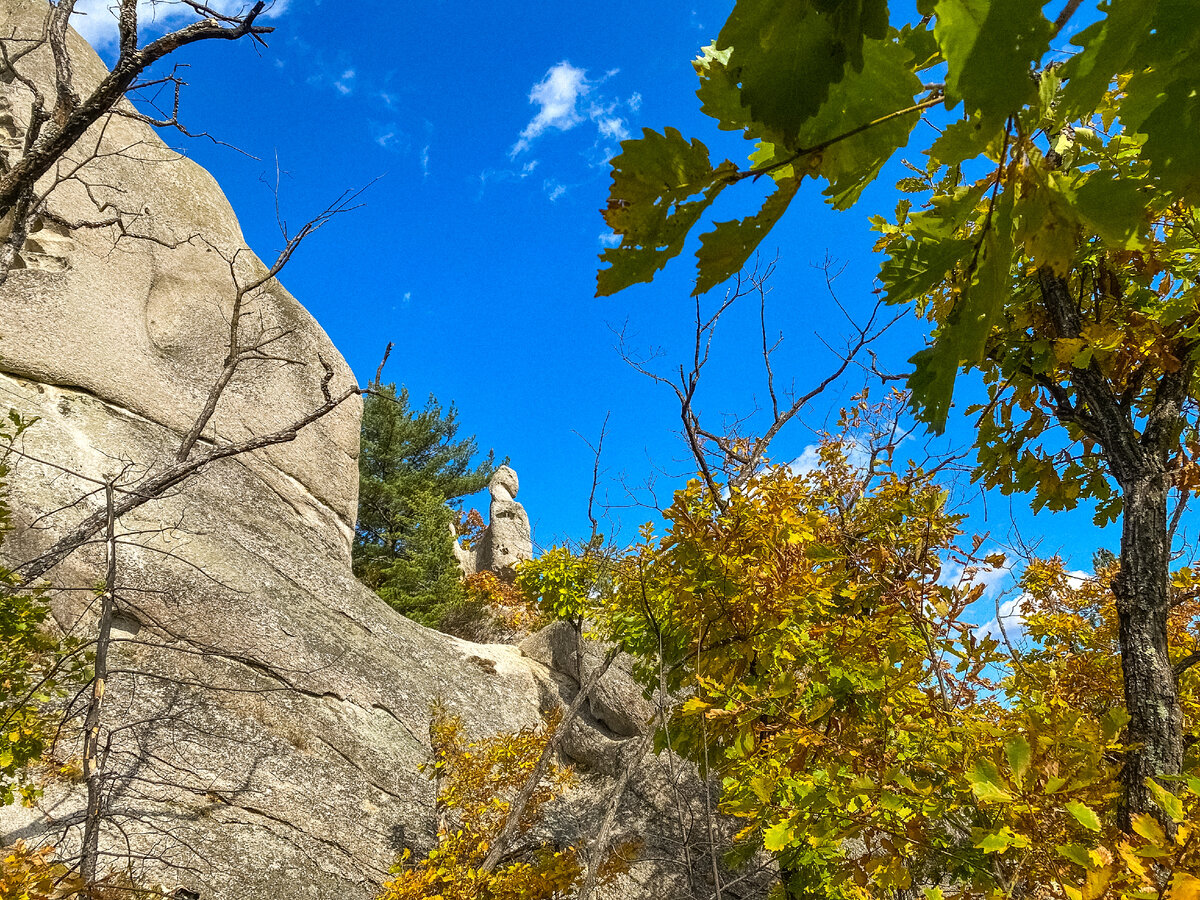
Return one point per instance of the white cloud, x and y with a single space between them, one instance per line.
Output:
558 96
425 160
345 84
610 239
858 456
96 20
808 461
554 189
1012 613
613 128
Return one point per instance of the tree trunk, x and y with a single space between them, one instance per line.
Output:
1141 590
1138 462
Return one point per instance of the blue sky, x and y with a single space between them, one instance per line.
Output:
484 131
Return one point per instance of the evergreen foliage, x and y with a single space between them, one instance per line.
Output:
411 466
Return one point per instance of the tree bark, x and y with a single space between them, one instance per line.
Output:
1137 461
1151 697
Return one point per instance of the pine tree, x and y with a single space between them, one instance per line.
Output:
411 468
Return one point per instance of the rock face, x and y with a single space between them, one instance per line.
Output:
508 539
268 713
141 322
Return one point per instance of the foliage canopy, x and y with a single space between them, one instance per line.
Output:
872 739
1050 238
411 465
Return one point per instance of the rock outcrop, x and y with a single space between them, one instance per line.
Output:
508 538
268 714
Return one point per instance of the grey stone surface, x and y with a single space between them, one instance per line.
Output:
617 701
143 323
504 484
269 714
508 538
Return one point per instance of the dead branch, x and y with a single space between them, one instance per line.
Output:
728 450
93 769
154 486
517 809
57 123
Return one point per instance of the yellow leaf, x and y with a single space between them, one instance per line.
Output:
1184 887
1097 882
1148 828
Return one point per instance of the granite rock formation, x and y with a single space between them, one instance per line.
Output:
268 713
508 538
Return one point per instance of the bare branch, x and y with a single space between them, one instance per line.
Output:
517 808
387 351
156 485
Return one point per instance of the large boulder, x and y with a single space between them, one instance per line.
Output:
139 316
268 714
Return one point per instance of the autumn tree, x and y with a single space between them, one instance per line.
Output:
1050 240
867 735
479 786
37 665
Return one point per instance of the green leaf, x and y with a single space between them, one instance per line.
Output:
724 250
986 783
987 292
1076 853
774 159
661 186
854 20
1019 754
1170 804
1171 147
966 139
778 837
762 787
999 841
1108 46
719 93
990 47
1115 208
1161 100
1113 722
922 44
785 55
1084 815
932 386
885 85
962 338
917 267
1047 224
